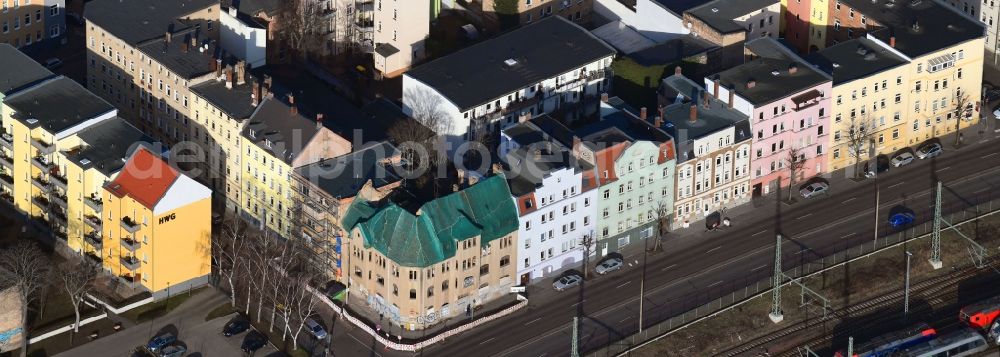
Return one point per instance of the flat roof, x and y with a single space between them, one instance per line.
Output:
771 76
678 7
623 37
107 145
716 116
255 7
56 104
480 73
854 59
235 102
920 26
344 176
179 56
719 14
28 71
134 21
672 51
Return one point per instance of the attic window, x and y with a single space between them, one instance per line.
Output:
84 162
253 134
527 203
267 142
510 62
715 9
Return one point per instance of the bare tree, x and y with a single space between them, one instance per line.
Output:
24 267
588 247
424 106
963 109
301 25
77 277
302 305
662 215
259 269
859 135
229 252
286 254
795 161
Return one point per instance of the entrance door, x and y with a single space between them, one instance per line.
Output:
525 279
757 190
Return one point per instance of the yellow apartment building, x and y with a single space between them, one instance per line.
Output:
156 226
23 73
276 140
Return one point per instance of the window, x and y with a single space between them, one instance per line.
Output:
53 10
413 294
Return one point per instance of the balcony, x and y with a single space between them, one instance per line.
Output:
58 180
7 141
59 200
131 281
94 204
365 26
42 163
43 147
130 263
58 216
93 222
40 184
92 257
313 211
364 6
129 225
7 180
6 161
94 239
131 244
40 202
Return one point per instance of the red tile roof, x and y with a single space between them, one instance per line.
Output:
145 178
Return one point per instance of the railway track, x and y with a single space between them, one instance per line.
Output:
931 290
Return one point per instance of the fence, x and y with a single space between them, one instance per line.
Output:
398 345
36 339
962 213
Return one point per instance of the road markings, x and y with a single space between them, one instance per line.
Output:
713 249
848 200
623 284
532 321
848 235
760 267
982 190
366 346
895 184
988 155
805 215
945 168
715 283
625 319
671 266
578 302
487 340
801 251
758 233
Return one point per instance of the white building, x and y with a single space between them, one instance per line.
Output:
713 150
243 36
555 198
396 30
658 20
539 68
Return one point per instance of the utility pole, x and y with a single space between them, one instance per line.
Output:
850 346
775 314
906 293
642 281
936 237
575 349
874 164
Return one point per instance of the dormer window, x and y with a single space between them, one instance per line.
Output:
267 142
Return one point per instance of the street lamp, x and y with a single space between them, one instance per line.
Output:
874 165
642 281
906 292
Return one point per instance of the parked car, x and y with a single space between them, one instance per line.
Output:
901 219
315 329
901 159
930 150
160 341
53 63
814 189
881 165
173 351
996 112
567 282
609 265
253 341
236 326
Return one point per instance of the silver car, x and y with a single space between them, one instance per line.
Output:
567 282
609 265
901 159
929 151
814 189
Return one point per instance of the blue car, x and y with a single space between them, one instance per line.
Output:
902 219
160 341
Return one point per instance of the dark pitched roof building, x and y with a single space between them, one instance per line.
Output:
134 21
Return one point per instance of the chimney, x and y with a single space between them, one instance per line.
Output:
677 70
255 93
267 83
291 104
642 113
658 122
892 41
184 47
229 77
167 36
792 68
705 98
751 83
732 97
497 168
715 87
217 62
194 41
319 120
694 113
241 72
576 143
604 97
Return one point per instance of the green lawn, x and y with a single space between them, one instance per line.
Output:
637 84
219 311
157 309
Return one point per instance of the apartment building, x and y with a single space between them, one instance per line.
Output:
28 73
418 264
788 102
397 31
277 139
161 220
731 23
325 190
550 65
555 195
31 24
635 163
871 91
529 11
806 23
713 149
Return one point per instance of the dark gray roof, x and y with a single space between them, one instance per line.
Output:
386 50
235 102
672 51
680 6
134 21
857 58
344 176
56 104
717 116
27 73
541 128
179 56
938 25
719 14
313 96
769 86
254 7
107 144
479 74
622 126
287 132
525 171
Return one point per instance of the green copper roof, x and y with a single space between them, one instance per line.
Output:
485 210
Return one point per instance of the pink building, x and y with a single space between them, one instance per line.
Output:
788 102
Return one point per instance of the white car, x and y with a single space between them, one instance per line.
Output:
609 265
901 159
567 282
929 151
814 189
